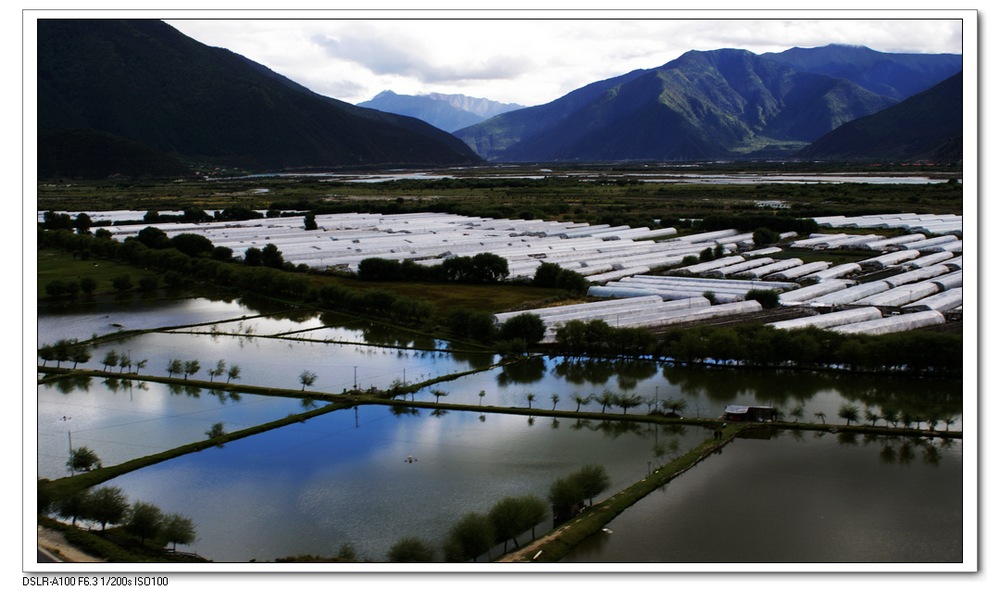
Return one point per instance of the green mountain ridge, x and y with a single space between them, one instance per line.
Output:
720 104
926 126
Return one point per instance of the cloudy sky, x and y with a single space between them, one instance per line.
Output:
535 57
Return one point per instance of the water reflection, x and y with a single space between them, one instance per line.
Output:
343 477
812 499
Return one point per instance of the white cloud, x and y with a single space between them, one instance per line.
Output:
527 61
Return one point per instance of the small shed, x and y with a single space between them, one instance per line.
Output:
751 414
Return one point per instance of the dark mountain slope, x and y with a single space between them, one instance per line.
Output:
144 81
715 104
927 126
896 75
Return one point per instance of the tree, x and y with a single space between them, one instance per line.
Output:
482 394
411 549
144 520
110 359
309 221
270 256
470 537
531 398
177 529
253 257
566 498
529 327
627 402
174 366
217 430
438 394
218 370
307 378
555 401
765 236
848 412
83 459
607 398
797 412
580 400
821 416
121 282
107 505
88 285
592 479
193 245
233 374
512 515
191 367
74 506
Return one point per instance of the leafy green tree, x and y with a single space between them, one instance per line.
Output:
606 399
74 506
469 538
512 515
152 237
848 412
175 366
124 361
271 257
253 257
148 283
193 245
177 529
122 282
821 416
233 373
309 221
191 367
566 497
411 549
144 520
765 236
307 378
555 401
797 412
529 327
88 285
83 459
768 298
217 371
627 402
438 394
592 479
531 398
580 400
217 430
107 505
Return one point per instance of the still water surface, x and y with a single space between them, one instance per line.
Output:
799 498
341 478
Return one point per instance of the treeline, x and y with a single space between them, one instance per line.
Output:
268 274
484 267
920 352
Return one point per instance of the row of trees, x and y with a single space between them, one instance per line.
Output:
766 346
481 268
109 506
477 533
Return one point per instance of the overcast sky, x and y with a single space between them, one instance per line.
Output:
531 61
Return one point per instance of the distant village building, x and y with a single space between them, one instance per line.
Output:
752 414
772 204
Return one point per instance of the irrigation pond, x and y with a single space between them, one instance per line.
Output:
370 475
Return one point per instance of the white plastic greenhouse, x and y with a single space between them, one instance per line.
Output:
890 324
832 319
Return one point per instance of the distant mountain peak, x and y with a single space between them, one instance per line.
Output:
448 112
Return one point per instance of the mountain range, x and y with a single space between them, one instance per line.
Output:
145 83
720 104
137 98
444 111
926 126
